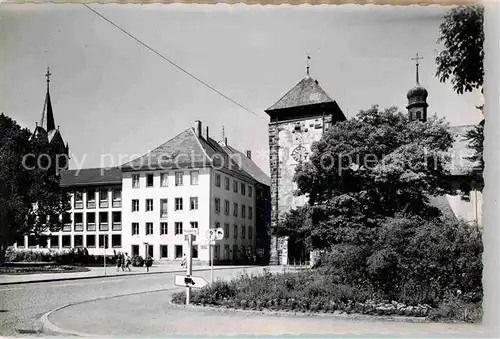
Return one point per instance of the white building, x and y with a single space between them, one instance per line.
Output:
188 182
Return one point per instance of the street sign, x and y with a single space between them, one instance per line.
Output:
191 231
219 233
211 234
188 281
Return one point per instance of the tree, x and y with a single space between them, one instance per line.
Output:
31 199
462 35
367 169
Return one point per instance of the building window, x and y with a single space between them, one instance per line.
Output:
135 250
20 242
226 183
235 231
178 251
103 241
217 180
78 200
66 218
32 241
194 177
226 252
217 205
243 187
135 228
163 251
66 241
243 232
193 202
150 179
149 205
43 241
149 228
91 221
217 252
78 222
54 241
164 179
163 208
150 251
235 186
235 251
117 221
250 212
135 205
235 209
178 228
90 240
250 232
116 240
226 230
103 221
195 252
178 204
178 178
243 211
250 191
78 240
194 224
117 198
163 228
226 207
90 198
103 198
135 180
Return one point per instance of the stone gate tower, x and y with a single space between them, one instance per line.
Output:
297 120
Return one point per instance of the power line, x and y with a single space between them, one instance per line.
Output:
173 63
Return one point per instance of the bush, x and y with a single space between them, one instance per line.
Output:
137 261
78 256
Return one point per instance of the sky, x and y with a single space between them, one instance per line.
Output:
114 99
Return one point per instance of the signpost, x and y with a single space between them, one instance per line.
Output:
188 281
213 234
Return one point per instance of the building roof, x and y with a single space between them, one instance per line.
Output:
47 120
248 165
460 152
187 150
91 176
306 92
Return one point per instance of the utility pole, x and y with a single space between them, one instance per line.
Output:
189 265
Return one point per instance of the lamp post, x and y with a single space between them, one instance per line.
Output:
146 245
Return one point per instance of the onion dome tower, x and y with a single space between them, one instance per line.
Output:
417 98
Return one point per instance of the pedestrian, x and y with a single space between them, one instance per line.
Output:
128 261
118 262
183 262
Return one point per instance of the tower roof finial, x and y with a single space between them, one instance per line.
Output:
307 63
417 58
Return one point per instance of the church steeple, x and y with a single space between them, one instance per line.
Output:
417 98
47 120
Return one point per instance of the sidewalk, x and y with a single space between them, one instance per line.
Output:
99 272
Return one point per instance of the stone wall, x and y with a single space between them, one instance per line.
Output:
294 139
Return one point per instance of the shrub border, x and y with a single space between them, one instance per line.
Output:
343 315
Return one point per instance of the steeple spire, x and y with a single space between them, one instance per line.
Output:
47 120
417 58
307 63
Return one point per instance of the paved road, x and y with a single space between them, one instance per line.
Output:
21 305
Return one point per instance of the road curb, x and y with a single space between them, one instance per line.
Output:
117 275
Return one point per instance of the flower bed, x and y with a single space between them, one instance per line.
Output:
41 269
309 292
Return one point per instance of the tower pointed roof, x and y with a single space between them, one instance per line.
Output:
47 120
306 92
